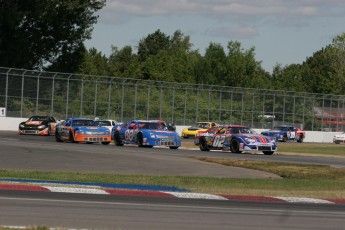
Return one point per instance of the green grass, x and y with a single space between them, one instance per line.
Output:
293 148
296 179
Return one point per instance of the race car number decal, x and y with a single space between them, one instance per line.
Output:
218 141
129 135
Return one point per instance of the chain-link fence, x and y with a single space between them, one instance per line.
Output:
25 92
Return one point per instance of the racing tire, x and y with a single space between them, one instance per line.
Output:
173 147
285 138
337 142
49 131
140 139
235 146
268 152
57 137
117 139
105 143
71 137
300 139
203 144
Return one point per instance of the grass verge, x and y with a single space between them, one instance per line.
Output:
297 180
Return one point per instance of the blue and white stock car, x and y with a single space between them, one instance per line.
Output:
235 138
145 133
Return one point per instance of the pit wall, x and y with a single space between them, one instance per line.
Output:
11 124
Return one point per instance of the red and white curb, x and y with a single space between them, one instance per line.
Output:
183 195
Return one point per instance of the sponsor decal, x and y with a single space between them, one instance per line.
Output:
33 122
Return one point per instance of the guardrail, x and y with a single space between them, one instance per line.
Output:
11 124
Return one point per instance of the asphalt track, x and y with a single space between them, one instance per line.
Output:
44 154
89 208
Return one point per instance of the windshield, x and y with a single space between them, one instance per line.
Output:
202 125
83 123
281 128
242 130
103 123
38 118
150 125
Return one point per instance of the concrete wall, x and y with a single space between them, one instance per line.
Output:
11 124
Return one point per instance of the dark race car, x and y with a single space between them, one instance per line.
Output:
38 125
285 133
235 138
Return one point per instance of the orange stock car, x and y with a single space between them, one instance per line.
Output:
82 130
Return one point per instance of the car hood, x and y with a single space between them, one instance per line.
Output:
92 128
192 128
34 123
258 138
163 132
271 132
341 135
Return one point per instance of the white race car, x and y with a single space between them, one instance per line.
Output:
339 138
106 123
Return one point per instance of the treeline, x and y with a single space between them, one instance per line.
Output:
49 35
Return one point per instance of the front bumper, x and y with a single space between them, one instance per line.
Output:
32 131
92 138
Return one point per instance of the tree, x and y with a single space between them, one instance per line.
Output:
94 63
243 69
212 68
124 63
152 44
288 78
320 73
34 33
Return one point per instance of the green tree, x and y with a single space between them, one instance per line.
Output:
152 44
124 63
212 68
243 69
36 32
288 78
94 63
320 73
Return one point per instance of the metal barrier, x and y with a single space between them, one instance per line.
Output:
26 92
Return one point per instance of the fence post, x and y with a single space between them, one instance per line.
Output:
6 94
53 92
67 96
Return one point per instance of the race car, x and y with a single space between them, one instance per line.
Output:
145 133
285 133
339 138
199 126
38 125
235 138
82 130
108 123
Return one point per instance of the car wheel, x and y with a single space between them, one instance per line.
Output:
337 142
71 137
117 139
235 146
173 147
268 152
57 137
284 138
49 131
105 143
203 144
300 139
140 139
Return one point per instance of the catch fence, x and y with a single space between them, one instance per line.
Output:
26 92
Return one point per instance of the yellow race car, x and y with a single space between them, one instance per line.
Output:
199 126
